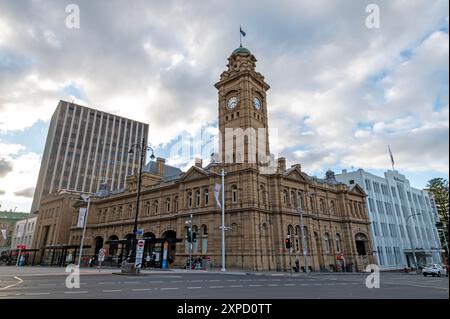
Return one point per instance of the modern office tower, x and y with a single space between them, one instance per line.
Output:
86 147
403 219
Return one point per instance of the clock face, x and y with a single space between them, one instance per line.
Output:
256 103
232 102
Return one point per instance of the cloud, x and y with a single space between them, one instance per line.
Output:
5 167
27 192
340 93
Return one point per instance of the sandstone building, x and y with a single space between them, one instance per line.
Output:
261 206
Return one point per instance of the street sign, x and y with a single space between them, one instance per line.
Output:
139 233
139 253
101 254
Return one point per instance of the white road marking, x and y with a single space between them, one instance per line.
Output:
130 282
236 286
17 283
255 285
194 287
273 285
177 281
75 292
141 289
215 286
170 288
106 283
289 285
115 290
36 293
47 284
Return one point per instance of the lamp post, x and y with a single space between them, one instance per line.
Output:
86 198
410 241
222 227
142 148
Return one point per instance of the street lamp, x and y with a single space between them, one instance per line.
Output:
87 199
222 175
304 241
189 223
410 241
142 148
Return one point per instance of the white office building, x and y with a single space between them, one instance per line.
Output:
403 219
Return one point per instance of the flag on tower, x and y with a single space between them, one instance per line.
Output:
242 32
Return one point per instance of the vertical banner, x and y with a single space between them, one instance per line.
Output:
165 252
4 233
81 217
216 194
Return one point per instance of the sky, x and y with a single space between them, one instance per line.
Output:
340 92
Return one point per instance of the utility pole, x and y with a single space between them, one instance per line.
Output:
223 219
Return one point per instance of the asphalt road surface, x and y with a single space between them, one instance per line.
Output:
215 285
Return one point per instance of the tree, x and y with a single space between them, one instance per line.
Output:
438 188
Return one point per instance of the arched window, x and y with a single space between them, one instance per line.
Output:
322 205
147 208
197 198
298 239
155 207
176 203
234 195
333 207
206 194
285 197
313 206
189 199
168 204
300 200
293 200
263 195
326 239
130 211
338 242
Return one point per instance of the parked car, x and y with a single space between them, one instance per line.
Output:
435 270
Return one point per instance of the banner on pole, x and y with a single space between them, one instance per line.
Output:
216 194
81 217
4 234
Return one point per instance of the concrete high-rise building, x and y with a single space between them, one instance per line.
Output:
403 219
86 147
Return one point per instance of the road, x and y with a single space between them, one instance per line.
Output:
215 285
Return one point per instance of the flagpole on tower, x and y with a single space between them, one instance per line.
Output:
392 158
240 36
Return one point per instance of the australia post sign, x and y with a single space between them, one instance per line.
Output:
139 253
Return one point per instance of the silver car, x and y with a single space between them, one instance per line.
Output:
435 270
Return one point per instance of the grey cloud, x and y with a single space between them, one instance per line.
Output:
27 192
309 51
5 167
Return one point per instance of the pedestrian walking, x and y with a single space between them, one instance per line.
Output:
297 265
147 261
69 259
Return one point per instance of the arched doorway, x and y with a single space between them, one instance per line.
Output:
362 248
361 244
98 245
170 236
113 245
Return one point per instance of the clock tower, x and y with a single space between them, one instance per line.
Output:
243 122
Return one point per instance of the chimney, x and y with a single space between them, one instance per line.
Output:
282 164
160 166
198 162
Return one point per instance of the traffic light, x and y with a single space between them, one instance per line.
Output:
287 242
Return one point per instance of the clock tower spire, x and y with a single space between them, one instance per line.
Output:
243 123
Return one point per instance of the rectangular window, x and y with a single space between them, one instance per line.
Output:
371 205
368 185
